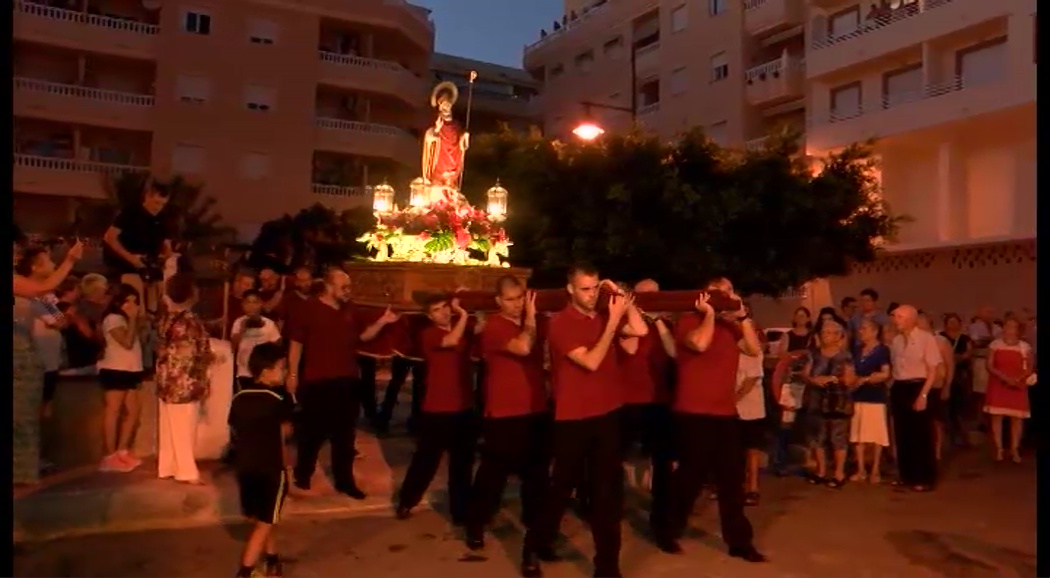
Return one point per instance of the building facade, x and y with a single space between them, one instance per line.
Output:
272 104
947 87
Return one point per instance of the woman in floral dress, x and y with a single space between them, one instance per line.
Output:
183 357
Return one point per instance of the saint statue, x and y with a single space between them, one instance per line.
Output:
445 144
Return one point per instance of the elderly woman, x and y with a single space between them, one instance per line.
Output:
183 357
829 376
870 424
28 375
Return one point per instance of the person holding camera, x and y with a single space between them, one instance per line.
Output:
136 243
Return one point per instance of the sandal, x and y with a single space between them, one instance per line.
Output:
836 483
875 479
816 480
858 477
921 488
1015 456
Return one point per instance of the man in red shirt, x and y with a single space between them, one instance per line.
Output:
516 421
647 391
291 299
588 394
323 338
446 421
707 430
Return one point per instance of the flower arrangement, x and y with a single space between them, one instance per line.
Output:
441 232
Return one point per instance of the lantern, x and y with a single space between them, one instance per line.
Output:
417 196
383 199
497 202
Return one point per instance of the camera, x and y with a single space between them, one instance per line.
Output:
152 270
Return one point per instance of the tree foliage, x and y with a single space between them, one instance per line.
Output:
315 236
684 211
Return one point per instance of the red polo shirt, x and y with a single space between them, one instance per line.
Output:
513 384
330 339
447 372
382 345
579 393
645 372
707 381
291 301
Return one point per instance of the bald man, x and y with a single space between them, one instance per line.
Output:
915 358
323 338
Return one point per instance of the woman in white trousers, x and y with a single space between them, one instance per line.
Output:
183 357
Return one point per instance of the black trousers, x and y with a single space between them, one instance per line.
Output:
585 451
517 445
913 435
399 371
454 433
327 412
649 425
708 448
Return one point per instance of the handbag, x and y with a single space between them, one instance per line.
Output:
837 401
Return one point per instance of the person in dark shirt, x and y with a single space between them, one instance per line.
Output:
259 419
137 241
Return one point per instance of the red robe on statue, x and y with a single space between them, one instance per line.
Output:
448 162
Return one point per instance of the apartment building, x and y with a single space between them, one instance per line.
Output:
272 104
502 94
733 67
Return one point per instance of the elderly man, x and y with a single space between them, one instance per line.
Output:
915 357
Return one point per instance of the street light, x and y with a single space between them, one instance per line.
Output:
588 129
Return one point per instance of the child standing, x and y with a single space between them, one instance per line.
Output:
250 330
120 374
260 419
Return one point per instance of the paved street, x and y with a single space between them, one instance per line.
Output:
980 523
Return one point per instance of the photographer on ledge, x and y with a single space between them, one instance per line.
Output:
137 243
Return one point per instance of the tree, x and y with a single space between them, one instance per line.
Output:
198 222
315 236
681 212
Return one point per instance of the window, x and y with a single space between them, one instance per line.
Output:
557 71
196 22
716 7
679 19
844 23
255 166
718 132
679 81
584 60
902 85
193 89
845 102
187 158
982 63
613 48
261 98
719 67
649 93
262 31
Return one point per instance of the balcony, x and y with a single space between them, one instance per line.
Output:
372 75
340 198
62 176
82 105
601 17
647 59
82 31
762 17
777 81
367 140
944 103
903 28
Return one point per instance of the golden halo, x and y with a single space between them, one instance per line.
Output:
444 87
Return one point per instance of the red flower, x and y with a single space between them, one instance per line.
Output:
462 238
424 236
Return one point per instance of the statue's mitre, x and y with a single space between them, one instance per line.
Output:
446 89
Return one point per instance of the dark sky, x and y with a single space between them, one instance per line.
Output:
490 30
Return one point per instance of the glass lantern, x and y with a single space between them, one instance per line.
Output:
418 193
497 202
383 199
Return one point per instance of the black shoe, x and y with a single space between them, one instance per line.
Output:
475 540
748 554
530 565
668 545
273 565
548 554
351 490
403 513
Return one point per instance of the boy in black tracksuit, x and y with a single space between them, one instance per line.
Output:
260 419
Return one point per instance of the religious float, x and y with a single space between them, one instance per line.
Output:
440 244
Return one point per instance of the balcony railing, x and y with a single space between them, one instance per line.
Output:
569 25
752 4
133 26
74 91
648 109
339 190
74 165
869 25
774 68
893 100
365 127
361 61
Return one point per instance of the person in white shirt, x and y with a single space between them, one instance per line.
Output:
916 360
983 329
250 330
751 409
120 374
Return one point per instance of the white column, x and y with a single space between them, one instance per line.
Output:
947 188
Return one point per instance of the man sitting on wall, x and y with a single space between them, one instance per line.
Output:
137 241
